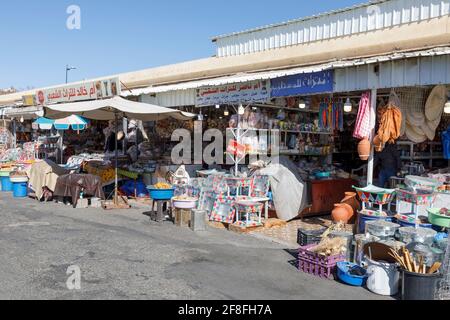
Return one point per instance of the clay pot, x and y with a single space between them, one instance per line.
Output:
352 200
364 149
342 213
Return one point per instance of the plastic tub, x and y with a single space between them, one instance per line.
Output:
20 189
438 219
422 235
185 204
381 228
343 273
419 286
161 194
383 278
348 236
7 185
363 218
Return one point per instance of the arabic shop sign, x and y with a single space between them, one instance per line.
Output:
300 84
93 90
255 91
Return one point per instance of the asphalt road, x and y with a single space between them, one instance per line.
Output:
122 255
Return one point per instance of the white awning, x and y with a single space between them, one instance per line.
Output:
267 75
107 109
25 112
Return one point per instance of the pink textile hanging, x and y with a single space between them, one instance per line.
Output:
363 126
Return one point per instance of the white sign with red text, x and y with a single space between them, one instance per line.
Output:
94 90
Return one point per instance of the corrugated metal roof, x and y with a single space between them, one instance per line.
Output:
267 75
329 13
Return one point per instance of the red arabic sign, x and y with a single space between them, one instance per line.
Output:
86 91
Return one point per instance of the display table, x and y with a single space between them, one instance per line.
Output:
324 194
71 185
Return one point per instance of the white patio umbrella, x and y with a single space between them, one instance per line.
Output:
108 109
112 109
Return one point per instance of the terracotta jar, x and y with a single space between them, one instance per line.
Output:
351 198
364 149
342 213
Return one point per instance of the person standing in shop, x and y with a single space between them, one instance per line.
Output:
390 163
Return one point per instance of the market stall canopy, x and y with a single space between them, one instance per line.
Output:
108 109
22 112
73 122
43 123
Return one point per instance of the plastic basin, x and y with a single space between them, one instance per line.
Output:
438 219
161 194
7 185
185 204
20 189
343 272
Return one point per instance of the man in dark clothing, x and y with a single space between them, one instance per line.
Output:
390 163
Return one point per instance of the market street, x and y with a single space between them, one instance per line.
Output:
122 255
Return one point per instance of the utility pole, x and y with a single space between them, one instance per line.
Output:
67 72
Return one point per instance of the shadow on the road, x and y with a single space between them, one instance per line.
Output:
294 254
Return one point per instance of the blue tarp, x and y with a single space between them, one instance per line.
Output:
446 143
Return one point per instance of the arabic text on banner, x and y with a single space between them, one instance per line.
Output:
299 84
255 91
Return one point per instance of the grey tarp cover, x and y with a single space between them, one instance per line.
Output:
289 191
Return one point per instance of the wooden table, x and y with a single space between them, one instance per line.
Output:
324 194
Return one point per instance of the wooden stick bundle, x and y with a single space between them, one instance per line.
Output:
410 264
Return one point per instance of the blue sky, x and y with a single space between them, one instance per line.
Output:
121 36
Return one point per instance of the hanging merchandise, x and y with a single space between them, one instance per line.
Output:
323 115
434 108
363 126
390 124
329 116
364 149
435 103
338 116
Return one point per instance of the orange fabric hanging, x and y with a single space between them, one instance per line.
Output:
390 124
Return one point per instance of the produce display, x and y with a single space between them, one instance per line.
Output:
106 174
162 186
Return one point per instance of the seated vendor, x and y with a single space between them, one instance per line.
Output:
390 164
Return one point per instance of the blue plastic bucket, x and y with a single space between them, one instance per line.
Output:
161 194
20 189
363 219
7 185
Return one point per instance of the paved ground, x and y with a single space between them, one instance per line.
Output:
122 255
